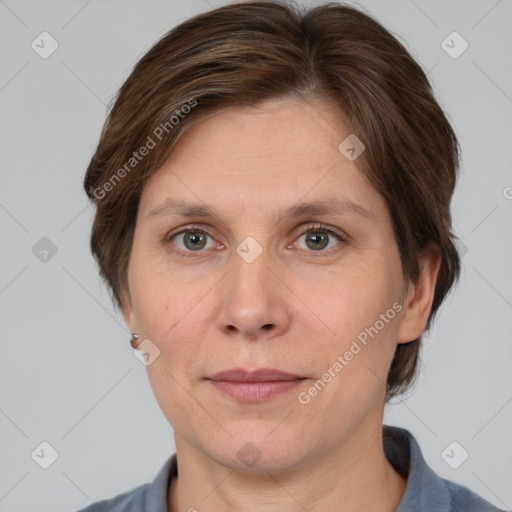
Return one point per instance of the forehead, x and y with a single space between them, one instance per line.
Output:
279 152
284 126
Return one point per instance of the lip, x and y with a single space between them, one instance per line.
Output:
254 386
259 375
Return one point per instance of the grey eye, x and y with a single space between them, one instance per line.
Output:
191 240
319 239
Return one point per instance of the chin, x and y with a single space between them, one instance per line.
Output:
259 452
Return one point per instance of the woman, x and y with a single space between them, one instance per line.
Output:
272 191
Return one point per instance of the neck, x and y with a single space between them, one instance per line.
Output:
355 477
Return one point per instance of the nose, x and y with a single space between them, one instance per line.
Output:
254 301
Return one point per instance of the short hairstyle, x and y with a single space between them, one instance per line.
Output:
244 53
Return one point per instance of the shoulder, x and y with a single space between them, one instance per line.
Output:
150 496
129 501
462 498
426 491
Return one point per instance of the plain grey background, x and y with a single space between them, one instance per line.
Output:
68 374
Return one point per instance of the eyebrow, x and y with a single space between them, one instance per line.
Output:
335 205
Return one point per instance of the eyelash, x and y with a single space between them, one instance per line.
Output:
315 227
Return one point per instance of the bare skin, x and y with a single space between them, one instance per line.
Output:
296 307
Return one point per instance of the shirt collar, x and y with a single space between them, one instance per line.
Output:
156 495
425 490
401 449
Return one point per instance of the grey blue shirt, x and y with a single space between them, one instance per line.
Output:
425 490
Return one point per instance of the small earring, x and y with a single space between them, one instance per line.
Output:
135 337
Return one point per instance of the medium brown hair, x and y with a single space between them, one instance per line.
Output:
243 53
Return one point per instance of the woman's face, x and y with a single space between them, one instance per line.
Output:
235 273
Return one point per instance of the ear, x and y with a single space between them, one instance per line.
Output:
420 296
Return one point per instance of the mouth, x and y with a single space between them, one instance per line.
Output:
254 386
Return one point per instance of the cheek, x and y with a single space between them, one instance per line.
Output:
355 298
174 313
167 314
352 362
174 398
160 302
361 309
